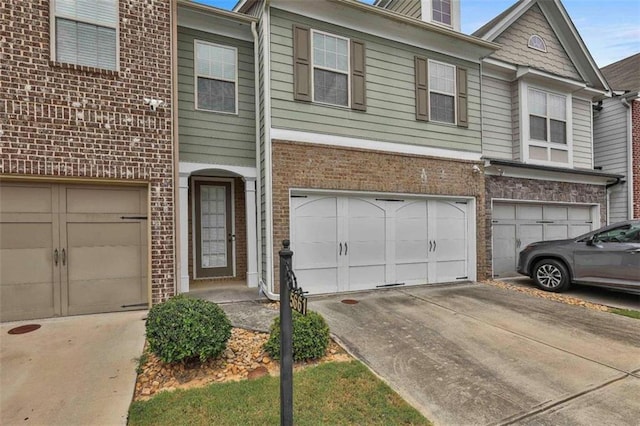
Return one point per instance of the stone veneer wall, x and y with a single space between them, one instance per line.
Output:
82 124
508 188
308 166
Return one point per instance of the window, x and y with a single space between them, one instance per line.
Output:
441 10
624 234
330 69
547 116
216 77
536 42
442 92
85 32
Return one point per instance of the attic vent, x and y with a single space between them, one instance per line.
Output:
536 42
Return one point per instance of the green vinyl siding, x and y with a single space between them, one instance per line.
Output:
497 122
390 115
210 137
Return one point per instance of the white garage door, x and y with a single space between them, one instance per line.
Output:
347 243
71 249
515 225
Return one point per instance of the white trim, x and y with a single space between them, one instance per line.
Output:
335 70
454 94
52 33
196 75
216 21
392 147
526 71
187 168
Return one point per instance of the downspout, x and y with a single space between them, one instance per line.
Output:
177 268
608 195
256 82
264 287
630 180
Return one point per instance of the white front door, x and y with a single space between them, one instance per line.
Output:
347 243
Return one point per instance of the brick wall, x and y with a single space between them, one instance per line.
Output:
302 165
508 188
65 121
635 114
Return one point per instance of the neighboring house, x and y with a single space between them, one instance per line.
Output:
86 167
617 137
369 147
537 140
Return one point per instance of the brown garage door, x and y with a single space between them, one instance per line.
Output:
71 249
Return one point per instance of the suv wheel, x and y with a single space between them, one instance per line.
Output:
551 275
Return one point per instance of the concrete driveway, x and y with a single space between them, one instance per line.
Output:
477 354
72 371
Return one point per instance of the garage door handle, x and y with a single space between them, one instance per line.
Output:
340 249
55 257
64 257
346 247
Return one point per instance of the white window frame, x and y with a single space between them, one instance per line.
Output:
450 25
53 31
525 129
196 75
454 94
531 43
314 66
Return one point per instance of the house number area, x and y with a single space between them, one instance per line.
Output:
297 301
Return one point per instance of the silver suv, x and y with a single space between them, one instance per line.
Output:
608 257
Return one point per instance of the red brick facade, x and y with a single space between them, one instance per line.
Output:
302 165
61 121
635 120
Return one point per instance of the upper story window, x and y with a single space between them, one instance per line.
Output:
547 116
216 74
85 32
441 11
330 69
442 92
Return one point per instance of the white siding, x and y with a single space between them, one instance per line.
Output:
497 123
611 152
582 141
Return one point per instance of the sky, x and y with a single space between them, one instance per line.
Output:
610 28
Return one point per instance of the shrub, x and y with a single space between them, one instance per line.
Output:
182 329
310 337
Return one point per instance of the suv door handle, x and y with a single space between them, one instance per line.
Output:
634 251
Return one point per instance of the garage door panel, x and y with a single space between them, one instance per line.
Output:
504 211
451 270
315 255
577 230
104 200
366 277
27 301
504 247
104 262
555 213
556 232
317 229
104 234
528 212
17 198
316 207
412 273
412 251
580 213
104 294
318 280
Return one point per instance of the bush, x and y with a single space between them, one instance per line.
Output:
310 337
182 329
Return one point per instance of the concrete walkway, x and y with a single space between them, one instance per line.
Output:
476 354
72 371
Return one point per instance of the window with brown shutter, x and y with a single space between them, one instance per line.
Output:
301 63
422 89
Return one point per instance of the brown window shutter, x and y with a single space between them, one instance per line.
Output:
463 119
358 76
301 63
422 88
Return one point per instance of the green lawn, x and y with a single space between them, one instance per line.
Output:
340 393
626 312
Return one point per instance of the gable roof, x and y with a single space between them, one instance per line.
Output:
624 74
564 29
